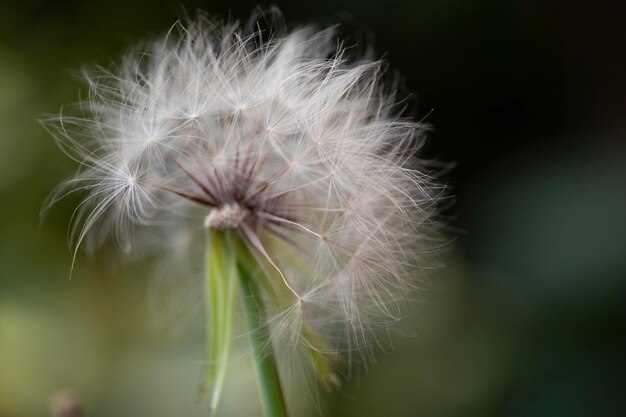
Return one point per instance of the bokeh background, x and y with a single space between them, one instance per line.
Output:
527 98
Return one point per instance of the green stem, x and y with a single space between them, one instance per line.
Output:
220 284
267 374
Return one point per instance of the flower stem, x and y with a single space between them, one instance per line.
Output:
267 373
220 284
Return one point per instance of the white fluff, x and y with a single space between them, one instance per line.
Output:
285 139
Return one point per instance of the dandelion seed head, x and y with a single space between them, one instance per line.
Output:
278 136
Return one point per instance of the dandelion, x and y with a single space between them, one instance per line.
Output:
286 159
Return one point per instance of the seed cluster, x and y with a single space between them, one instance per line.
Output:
279 137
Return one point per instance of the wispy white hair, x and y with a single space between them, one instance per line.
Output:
280 136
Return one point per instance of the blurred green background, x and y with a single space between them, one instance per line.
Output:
528 318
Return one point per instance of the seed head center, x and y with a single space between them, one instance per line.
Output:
227 216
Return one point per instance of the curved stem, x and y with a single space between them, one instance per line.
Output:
220 284
267 373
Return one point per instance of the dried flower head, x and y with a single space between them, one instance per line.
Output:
279 139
